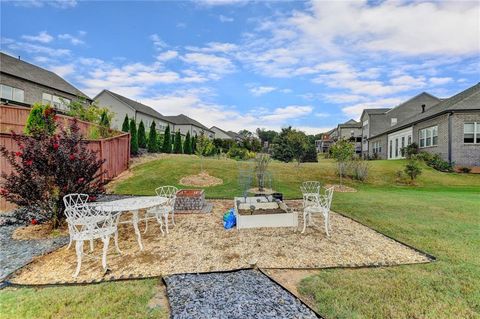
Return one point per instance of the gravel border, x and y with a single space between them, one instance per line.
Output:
237 294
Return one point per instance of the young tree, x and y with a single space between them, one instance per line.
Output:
142 136
297 142
342 151
167 144
203 147
412 169
133 138
194 144
282 150
177 144
187 145
47 167
152 139
104 123
126 124
41 120
310 155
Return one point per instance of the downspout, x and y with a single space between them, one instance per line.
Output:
450 138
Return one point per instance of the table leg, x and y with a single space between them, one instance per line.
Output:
135 226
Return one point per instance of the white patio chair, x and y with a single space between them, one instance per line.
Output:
72 200
167 207
318 204
89 223
310 189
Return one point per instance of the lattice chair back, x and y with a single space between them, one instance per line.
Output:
168 192
311 192
72 200
86 223
328 197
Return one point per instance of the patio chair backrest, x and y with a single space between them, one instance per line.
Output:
311 187
328 197
168 192
85 222
72 200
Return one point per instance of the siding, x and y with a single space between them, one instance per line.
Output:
383 143
442 144
464 154
117 107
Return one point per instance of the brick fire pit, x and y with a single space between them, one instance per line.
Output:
190 199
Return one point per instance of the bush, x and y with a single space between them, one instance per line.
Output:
47 167
126 124
167 144
142 136
152 139
412 169
360 169
177 144
187 145
436 162
410 151
41 120
465 169
311 155
240 153
133 138
91 113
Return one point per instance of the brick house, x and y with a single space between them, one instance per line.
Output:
351 130
450 128
25 84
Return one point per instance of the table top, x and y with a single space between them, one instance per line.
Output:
130 203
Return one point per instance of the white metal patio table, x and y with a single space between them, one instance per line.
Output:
133 205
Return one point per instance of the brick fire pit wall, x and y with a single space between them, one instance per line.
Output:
190 199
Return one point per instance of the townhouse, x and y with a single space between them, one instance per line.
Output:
186 124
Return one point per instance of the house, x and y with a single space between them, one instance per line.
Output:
221 134
450 128
24 83
375 121
350 130
186 124
122 106
328 138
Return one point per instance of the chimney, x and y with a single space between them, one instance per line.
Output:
423 108
19 57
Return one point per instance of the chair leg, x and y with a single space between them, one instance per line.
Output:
325 217
304 221
166 222
91 245
146 224
106 242
69 243
79 250
160 222
173 217
116 242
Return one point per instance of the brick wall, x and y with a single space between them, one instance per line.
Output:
464 154
442 144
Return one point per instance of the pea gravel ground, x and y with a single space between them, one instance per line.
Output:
236 295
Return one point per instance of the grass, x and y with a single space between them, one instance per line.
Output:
441 215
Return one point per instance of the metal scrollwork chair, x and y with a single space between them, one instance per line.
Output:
310 189
89 223
317 204
73 200
165 208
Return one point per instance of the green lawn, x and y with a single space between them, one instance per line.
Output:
441 215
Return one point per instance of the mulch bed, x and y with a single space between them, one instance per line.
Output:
202 179
199 243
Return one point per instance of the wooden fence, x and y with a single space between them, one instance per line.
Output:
115 150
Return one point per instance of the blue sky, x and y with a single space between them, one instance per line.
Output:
238 64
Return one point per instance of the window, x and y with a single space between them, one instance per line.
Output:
396 147
12 94
393 121
365 123
409 140
391 147
428 136
471 133
58 102
376 147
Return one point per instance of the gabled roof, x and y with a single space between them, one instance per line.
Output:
24 70
414 101
468 99
182 119
234 135
350 123
375 111
224 132
137 106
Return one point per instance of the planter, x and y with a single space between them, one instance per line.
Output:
257 212
190 199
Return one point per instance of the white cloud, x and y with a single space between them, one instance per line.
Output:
260 90
440 80
356 109
42 37
215 65
60 4
322 114
288 112
221 2
223 18
167 55
210 47
62 70
73 39
158 43
34 48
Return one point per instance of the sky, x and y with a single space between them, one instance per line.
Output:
242 65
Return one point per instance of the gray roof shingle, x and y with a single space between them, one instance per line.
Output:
182 119
24 70
139 107
468 99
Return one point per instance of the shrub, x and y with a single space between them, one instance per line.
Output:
126 124
342 151
177 144
167 144
436 162
159 142
412 169
133 138
41 120
465 169
410 151
152 138
261 164
91 113
187 145
310 155
360 169
47 167
142 136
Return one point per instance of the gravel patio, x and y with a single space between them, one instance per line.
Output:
199 243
